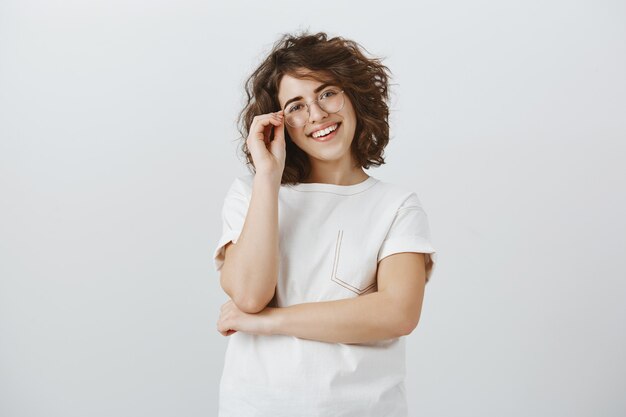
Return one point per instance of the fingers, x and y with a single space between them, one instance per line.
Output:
261 121
264 119
223 321
260 143
279 114
262 126
222 327
278 143
273 119
278 128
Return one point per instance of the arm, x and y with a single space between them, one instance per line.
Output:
250 269
391 312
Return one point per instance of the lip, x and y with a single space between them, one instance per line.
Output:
324 127
330 137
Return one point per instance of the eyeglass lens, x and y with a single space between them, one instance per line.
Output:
330 101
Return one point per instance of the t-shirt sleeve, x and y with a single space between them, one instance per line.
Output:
410 232
234 212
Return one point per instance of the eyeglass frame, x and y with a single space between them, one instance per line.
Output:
308 107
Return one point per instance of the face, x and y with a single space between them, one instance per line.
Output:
335 148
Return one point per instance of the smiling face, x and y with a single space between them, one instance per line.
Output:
335 150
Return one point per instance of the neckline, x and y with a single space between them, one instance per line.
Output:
335 188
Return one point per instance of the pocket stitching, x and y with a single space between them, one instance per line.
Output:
338 280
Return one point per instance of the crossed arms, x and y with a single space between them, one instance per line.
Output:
393 311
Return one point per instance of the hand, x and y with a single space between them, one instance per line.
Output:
232 320
268 156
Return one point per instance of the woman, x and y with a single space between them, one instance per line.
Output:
325 265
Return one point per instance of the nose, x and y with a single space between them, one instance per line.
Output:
316 113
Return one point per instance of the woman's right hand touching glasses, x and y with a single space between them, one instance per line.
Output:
268 155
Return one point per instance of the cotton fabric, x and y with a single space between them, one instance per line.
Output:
331 238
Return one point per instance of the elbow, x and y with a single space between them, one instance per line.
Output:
408 315
245 299
250 305
246 302
408 324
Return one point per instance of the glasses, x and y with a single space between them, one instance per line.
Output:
330 101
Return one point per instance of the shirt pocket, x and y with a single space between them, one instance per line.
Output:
353 268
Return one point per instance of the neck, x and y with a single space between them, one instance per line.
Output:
338 177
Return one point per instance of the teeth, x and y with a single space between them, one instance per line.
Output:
324 132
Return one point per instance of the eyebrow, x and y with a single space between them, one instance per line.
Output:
317 90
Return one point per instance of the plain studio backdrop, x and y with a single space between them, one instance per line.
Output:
118 143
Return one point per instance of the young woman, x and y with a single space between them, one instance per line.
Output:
325 265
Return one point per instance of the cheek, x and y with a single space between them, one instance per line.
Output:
297 135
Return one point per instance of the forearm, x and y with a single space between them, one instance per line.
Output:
253 268
363 319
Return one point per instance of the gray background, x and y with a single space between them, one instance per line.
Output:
118 143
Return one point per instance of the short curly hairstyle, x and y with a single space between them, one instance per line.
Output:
341 61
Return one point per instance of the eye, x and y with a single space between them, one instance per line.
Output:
294 107
329 92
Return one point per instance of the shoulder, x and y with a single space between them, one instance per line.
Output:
242 185
246 179
398 195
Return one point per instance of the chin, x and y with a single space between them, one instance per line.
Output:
334 154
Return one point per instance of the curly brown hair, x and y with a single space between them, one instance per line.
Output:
338 60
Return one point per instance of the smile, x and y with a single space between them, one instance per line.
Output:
327 134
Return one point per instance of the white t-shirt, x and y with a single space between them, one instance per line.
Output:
331 240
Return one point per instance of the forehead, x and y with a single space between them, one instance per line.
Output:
290 86
293 84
